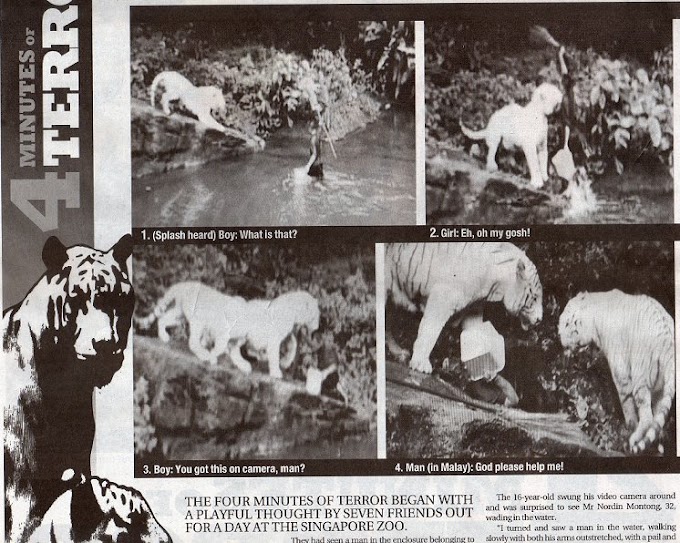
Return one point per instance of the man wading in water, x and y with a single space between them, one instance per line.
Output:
314 164
320 123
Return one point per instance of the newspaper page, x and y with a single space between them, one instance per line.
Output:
339 273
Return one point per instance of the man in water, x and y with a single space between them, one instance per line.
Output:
566 63
314 165
319 108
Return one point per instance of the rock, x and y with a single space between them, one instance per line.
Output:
429 417
172 407
166 142
198 411
459 191
504 202
446 195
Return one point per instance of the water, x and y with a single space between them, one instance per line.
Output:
371 182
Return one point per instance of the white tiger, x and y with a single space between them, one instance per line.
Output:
229 322
209 313
636 335
200 101
456 279
267 323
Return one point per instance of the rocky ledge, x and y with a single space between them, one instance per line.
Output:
167 142
186 409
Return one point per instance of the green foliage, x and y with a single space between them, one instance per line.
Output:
277 88
146 441
340 277
451 47
623 108
582 386
625 111
390 55
267 88
663 66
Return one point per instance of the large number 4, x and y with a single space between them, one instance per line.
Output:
51 190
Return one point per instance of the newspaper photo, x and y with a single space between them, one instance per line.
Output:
339 273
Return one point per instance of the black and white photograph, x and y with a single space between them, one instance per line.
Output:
540 349
254 351
339 272
262 117
549 113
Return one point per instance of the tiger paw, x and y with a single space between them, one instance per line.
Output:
97 510
393 348
124 513
642 438
421 365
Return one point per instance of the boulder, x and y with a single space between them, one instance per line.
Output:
163 142
194 411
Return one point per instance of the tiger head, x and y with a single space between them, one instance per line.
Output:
548 98
575 326
308 311
215 98
89 304
524 294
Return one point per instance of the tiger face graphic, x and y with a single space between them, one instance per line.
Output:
66 337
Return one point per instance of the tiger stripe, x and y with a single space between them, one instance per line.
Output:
460 275
637 336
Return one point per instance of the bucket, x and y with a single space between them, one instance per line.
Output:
482 350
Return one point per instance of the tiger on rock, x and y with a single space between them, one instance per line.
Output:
455 279
232 322
636 335
199 101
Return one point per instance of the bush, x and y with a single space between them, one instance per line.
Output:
390 56
264 86
623 108
452 47
624 111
